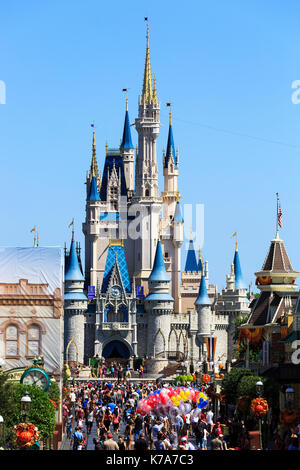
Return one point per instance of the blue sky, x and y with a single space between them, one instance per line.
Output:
227 67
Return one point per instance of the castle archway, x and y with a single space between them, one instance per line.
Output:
116 350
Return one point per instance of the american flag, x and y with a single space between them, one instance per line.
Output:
279 215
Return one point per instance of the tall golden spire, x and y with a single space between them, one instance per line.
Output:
147 96
94 166
154 90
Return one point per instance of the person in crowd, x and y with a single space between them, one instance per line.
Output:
109 443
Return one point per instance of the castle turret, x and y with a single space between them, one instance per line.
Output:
203 308
127 152
75 305
191 264
238 276
159 306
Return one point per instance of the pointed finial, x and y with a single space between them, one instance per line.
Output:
72 224
236 244
191 233
199 252
170 113
147 95
34 239
177 195
159 228
106 147
94 166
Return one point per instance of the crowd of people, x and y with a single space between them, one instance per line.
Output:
112 409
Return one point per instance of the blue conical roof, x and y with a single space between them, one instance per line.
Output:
178 213
200 267
73 272
159 272
94 196
238 276
126 141
203 298
191 260
170 148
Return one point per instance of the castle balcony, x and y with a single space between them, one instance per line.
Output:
115 326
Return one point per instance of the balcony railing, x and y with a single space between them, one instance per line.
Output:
115 326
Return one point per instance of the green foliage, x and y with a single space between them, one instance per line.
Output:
247 386
42 413
182 379
230 384
54 392
7 409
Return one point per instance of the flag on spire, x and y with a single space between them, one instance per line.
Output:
279 213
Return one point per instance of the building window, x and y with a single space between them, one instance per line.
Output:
33 340
11 341
116 317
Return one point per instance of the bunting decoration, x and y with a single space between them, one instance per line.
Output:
211 347
252 334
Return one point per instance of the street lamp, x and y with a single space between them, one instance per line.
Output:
259 390
289 396
2 436
25 406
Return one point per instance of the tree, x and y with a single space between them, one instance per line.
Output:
230 384
42 413
8 407
247 386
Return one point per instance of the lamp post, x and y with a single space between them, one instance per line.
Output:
2 437
289 397
259 390
25 406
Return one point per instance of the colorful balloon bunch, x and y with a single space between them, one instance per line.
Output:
172 401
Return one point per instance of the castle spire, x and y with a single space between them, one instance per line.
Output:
159 272
238 276
94 166
170 145
126 140
147 95
73 272
203 298
191 260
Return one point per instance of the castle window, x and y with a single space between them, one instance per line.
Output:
11 341
33 340
147 193
115 317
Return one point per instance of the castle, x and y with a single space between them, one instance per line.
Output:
131 298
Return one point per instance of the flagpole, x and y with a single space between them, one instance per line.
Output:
277 215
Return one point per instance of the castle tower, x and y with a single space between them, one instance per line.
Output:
203 308
75 305
146 203
127 153
159 307
177 242
232 302
170 171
